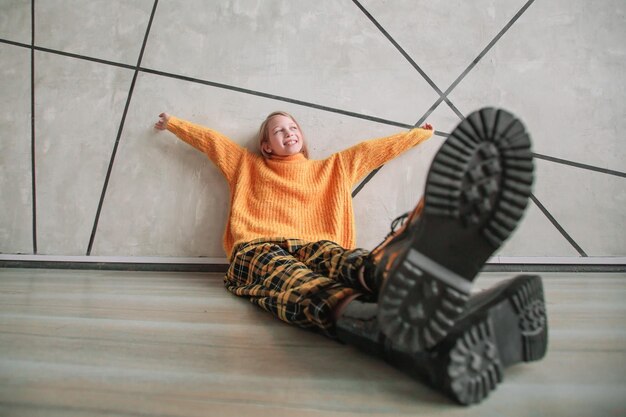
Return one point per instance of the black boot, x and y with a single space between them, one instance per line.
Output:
477 188
502 326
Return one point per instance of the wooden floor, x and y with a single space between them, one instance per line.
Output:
90 343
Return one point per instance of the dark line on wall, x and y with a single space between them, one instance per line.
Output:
69 54
398 47
579 165
558 226
32 128
85 58
429 112
408 58
277 98
219 85
119 132
20 44
478 58
365 181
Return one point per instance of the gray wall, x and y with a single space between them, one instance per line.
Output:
347 70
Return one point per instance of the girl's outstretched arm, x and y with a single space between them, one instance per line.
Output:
366 156
225 153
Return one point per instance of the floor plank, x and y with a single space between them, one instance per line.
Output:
96 343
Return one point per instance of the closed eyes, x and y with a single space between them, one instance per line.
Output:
292 128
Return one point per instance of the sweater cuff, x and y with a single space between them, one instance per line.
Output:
173 124
421 134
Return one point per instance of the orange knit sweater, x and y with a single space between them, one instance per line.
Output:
292 197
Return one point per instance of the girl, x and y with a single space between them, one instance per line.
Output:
290 239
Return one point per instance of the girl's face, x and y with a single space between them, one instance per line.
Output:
285 137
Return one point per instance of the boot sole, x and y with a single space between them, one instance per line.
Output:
510 329
477 189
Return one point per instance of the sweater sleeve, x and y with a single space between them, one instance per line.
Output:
221 150
366 156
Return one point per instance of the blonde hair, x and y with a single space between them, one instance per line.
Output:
264 135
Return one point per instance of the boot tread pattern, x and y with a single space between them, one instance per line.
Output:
529 305
418 313
483 174
474 368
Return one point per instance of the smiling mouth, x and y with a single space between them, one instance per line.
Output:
291 142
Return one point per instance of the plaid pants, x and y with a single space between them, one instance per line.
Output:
298 282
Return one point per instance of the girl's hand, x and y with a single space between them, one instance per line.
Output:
162 123
427 126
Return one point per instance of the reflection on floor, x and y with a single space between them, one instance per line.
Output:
96 343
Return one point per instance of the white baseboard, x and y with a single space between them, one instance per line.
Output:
114 259
495 260
550 260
